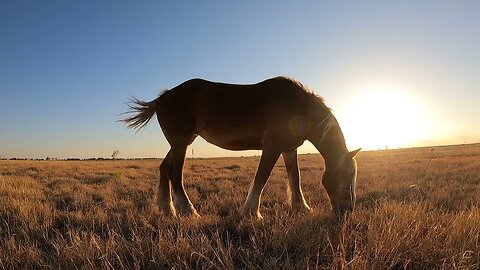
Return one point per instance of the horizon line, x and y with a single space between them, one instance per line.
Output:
73 158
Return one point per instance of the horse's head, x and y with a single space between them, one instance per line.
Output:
340 183
341 168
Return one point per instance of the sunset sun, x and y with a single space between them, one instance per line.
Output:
384 117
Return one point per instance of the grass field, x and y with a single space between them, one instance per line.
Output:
416 209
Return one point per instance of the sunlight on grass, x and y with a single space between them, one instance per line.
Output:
102 215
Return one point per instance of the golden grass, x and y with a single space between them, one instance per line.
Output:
101 214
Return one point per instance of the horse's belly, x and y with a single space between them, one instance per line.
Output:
234 139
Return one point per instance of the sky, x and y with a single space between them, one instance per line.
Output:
407 72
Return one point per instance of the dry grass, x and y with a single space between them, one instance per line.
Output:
101 214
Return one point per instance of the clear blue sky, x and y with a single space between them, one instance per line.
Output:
67 67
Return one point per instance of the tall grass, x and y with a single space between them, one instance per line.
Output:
99 214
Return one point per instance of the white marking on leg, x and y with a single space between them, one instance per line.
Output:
183 204
252 202
165 203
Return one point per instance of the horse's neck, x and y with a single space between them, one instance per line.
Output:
333 148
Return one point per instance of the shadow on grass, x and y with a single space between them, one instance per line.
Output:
103 179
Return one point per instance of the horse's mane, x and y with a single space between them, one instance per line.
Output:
309 93
300 85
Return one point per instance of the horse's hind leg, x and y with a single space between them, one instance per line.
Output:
164 196
295 193
181 201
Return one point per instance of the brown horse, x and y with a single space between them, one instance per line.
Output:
275 116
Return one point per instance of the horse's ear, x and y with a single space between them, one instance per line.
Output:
353 153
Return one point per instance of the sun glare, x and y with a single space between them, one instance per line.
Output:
382 117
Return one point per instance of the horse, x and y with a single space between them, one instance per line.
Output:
275 116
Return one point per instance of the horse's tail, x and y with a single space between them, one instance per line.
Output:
142 112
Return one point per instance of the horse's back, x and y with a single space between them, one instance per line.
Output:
231 116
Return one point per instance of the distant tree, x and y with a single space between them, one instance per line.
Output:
115 154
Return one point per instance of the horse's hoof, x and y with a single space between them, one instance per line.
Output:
301 208
168 213
194 214
167 210
254 215
188 212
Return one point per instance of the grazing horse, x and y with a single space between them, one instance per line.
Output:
275 116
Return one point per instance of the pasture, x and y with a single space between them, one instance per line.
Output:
416 209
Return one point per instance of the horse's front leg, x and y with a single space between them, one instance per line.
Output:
267 161
294 190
